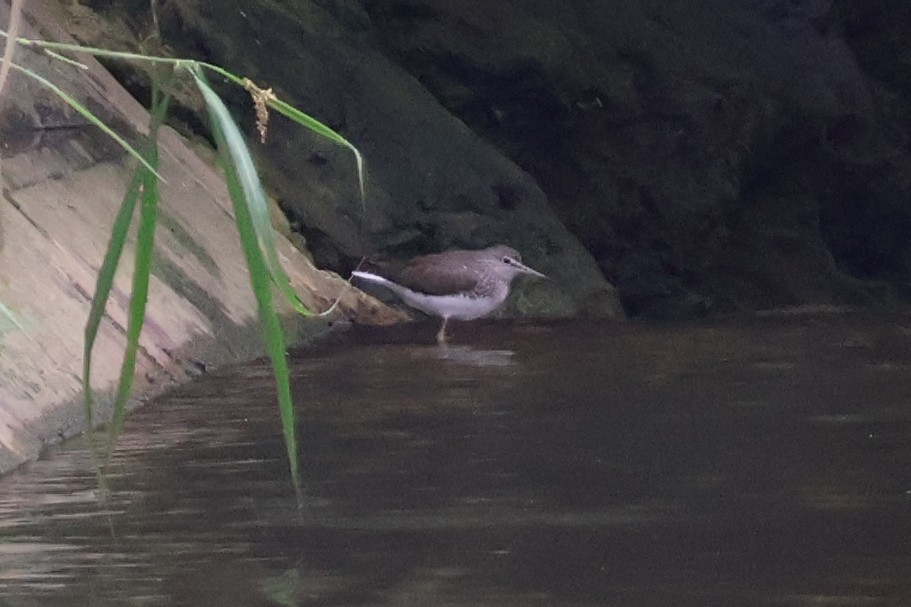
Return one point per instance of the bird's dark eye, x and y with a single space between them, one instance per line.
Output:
507 260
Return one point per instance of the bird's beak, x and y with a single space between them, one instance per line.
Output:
528 270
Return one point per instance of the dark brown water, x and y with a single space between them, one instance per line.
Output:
759 461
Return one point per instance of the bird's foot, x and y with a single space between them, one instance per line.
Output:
441 334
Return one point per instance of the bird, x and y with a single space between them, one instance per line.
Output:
460 284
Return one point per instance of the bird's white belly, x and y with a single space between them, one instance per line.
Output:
458 307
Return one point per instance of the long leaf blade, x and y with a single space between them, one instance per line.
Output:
103 286
256 203
142 267
88 115
248 200
143 186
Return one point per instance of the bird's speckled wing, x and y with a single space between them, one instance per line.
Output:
431 275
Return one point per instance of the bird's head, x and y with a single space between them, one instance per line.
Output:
506 263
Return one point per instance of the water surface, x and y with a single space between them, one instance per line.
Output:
750 461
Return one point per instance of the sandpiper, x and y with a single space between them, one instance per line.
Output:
456 284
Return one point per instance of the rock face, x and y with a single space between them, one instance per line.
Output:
433 184
712 155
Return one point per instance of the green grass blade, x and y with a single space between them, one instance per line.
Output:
256 204
302 119
88 115
142 267
139 187
103 286
237 166
279 106
95 51
251 212
321 129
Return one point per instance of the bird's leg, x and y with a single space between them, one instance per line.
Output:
441 334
